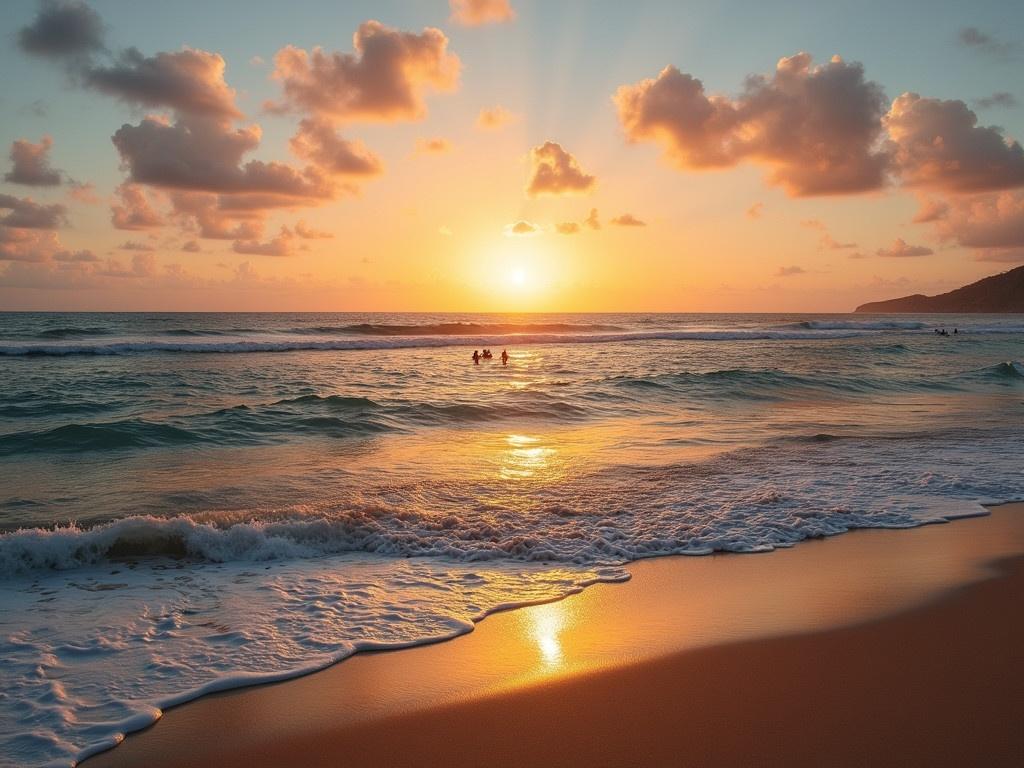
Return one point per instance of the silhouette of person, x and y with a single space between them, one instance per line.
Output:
504 357
476 357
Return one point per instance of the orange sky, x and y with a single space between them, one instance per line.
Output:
433 163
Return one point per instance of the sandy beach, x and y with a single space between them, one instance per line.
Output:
876 647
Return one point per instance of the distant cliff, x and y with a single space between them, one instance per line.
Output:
999 293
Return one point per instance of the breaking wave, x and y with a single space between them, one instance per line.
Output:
733 502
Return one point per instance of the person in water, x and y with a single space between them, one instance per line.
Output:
504 357
476 357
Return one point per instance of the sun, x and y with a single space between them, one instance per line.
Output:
518 276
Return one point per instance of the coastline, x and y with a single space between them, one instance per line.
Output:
876 646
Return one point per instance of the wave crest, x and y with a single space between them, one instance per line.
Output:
272 343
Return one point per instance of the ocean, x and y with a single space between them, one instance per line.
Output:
194 502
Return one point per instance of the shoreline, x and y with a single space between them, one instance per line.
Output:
597 646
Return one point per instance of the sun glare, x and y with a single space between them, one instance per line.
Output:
518 277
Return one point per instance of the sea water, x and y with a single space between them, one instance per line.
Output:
193 502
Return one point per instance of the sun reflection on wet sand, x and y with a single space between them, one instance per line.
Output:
546 625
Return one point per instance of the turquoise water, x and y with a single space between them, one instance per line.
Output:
194 501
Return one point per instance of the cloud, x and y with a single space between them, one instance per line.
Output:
975 39
317 142
191 246
435 146
143 265
78 270
593 222
937 144
674 111
201 213
200 154
790 271
276 246
77 257
37 108
901 249
984 221
755 211
1001 255
306 232
385 80
817 127
27 244
829 243
494 118
522 229
84 192
33 246
628 220
930 210
31 164
199 150
556 172
997 99
135 245
25 213
474 13
134 209
189 81
63 28
825 239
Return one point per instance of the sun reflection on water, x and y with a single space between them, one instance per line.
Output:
526 457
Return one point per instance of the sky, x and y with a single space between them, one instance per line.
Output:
506 155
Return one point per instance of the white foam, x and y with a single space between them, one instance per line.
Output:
92 656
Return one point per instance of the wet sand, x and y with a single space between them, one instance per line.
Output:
875 647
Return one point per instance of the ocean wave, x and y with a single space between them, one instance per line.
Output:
320 416
50 408
339 402
199 333
130 433
72 332
277 344
461 329
861 325
743 384
618 514
1011 369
